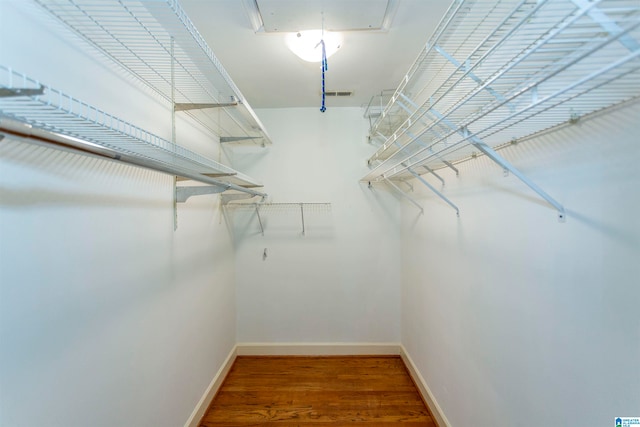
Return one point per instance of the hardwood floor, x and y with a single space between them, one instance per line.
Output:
314 391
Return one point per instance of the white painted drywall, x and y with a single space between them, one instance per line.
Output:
341 281
107 316
514 318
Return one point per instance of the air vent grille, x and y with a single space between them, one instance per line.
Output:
339 93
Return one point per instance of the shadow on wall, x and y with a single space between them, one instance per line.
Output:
282 222
383 203
29 166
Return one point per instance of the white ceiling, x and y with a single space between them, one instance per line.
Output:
270 76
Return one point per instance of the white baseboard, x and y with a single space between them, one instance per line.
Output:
317 349
428 397
210 392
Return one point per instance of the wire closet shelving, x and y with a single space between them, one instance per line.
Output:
495 71
31 110
156 41
263 209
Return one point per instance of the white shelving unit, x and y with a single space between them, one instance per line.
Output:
495 71
156 41
32 111
264 209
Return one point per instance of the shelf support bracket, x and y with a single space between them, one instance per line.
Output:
408 185
432 172
502 162
226 198
405 195
302 215
259 219
183 193
422 144
432 188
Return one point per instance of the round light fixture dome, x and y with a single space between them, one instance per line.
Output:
306 44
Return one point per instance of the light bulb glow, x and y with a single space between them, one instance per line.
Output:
306 44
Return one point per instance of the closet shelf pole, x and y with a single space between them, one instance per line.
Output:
186 106
48 138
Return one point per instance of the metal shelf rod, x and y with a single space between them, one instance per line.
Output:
40 136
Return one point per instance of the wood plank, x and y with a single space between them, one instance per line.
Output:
314 391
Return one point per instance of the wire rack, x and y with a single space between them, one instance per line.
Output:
262 210
291 207
496 70
156 41
57 112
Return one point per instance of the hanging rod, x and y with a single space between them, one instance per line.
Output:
186 106
48 138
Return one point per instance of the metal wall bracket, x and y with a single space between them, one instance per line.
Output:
260 222
226 198
502 162
183 193
432 172
505 165
405 195
432 188
14 92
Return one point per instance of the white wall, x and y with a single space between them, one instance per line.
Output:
341 281
107 316
514 318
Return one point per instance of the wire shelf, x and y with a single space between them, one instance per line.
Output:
57 112
495 71
264 210
291 207
156 41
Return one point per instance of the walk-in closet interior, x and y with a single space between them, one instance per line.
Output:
454 182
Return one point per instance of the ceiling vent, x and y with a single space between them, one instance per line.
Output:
339 93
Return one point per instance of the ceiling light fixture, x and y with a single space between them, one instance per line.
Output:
306 44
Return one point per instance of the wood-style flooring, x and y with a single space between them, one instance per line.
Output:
314 391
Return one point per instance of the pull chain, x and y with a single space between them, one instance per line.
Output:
324 68
323 108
